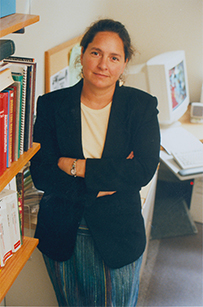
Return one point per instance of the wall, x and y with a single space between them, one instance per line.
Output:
158 26
60 21
155 26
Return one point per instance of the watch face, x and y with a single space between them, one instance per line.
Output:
73 171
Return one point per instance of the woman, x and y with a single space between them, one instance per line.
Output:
99 146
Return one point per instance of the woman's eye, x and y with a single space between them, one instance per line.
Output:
115 59
95 53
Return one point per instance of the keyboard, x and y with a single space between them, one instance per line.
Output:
188 159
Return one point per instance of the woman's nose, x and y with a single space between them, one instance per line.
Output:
103 62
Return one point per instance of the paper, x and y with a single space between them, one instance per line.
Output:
179 139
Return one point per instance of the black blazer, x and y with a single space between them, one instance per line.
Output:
115 222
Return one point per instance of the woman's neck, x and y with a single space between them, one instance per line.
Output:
96 99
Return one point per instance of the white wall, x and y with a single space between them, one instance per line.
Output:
155 26
158 26
60 21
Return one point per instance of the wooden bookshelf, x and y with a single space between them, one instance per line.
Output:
15 22
14 265
18 165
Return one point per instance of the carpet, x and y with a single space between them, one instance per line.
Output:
171 216
172 275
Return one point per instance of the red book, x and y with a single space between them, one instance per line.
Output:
1 136
10 126
14 90
4 99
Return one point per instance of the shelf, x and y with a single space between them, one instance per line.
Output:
15 264
15 22
18 165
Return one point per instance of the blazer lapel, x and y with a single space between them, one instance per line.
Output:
117 136
69 121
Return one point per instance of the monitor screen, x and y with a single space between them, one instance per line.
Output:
167 79
177 85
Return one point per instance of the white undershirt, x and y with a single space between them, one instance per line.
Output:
94 127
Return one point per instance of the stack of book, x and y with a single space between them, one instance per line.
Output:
17 100
10 234
12 214
28 199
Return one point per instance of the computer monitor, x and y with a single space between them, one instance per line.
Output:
167 80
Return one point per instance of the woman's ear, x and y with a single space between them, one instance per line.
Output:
81 55
124 66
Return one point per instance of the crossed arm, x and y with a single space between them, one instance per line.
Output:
65 165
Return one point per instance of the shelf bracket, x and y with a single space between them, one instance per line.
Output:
21 31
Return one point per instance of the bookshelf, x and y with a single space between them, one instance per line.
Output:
18 165
14 265
15 22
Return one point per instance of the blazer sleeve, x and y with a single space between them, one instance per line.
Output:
46 174
120 174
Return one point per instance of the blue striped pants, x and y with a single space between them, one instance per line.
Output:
85 280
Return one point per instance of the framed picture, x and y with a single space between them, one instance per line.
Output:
62 68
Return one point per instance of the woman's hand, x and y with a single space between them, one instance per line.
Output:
105 193
101 193
65 164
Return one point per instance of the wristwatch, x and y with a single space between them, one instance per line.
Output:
73 168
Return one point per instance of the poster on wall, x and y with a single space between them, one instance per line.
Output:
62 68
60 79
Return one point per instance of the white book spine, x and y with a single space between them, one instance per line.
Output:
11 200
5 231
1 241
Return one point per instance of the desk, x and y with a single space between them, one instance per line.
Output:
196 206
195 129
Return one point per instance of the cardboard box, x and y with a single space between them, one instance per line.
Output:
7 7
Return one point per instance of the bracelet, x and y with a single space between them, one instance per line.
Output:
73 168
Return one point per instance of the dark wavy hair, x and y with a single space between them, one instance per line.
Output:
109 25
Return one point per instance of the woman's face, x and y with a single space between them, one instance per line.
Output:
104 60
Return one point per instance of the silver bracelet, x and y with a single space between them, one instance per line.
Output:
73 168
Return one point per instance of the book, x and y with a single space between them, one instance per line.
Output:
7 7
30 96
2 124
20 190
28 108
9 126
5 231
22 69
8 148
19 59
14 91
7 48
4 65
1 243
11 200
4 98
11 185
10 223
17 86
5 78
18 78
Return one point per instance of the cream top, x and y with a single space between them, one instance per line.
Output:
94 127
